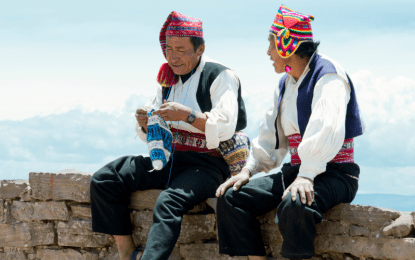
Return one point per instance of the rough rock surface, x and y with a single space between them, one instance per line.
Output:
146 200
268 217
78 233
1 210
51 210
52 220
333 227
10 189
79 211
51 186
205 252
378 248
194 227
401 227
359 231
7 213
367 216
13 256
197 228
26 234
65 254
271 234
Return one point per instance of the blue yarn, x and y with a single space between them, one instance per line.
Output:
157 154
156 132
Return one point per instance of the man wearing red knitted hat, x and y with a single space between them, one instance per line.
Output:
201 102
315 117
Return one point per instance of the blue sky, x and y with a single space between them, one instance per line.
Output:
72 74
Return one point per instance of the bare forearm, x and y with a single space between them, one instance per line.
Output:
200 121
200 118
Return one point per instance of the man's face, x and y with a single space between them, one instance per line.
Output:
181 55
274 56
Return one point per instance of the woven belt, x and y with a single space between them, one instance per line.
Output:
234 151
345 155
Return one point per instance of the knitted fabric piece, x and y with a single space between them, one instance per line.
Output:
159 141
345 155
290 29
181 25
234 151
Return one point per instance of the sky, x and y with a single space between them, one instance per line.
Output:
72 73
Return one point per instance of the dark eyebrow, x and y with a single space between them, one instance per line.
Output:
180 47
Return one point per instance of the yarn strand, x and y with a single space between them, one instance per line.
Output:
178 122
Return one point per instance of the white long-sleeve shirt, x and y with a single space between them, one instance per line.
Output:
324 134
223 116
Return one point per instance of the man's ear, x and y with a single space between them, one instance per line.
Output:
200 50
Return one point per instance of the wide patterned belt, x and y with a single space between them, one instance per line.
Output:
345 155
234 151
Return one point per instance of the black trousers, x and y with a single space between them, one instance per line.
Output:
194 178
239 230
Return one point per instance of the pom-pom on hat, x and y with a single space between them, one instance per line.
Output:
181 25
290 29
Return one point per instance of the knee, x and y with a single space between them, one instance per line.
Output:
227 199
288 207
103 179
169 202
96 178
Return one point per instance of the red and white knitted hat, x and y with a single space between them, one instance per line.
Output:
181 25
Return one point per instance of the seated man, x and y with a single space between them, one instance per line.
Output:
201 100
315 117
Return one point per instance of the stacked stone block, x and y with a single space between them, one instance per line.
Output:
49 217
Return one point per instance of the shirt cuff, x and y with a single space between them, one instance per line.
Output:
140 132
310 171
211 132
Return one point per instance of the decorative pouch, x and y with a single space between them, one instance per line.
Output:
235 151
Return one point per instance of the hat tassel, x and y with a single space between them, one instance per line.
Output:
166 76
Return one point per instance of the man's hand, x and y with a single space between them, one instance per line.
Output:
142 117
237 181
173 111
305 187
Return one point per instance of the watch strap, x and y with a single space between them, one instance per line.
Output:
192 116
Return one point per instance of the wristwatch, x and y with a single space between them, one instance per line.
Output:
191 118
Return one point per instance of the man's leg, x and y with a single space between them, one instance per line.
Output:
111 188
189 187
239 230
297 221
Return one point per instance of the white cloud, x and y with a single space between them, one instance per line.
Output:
388 109
28 99
87 139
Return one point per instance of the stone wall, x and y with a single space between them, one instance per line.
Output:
49 217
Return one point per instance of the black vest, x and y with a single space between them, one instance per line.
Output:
210 72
